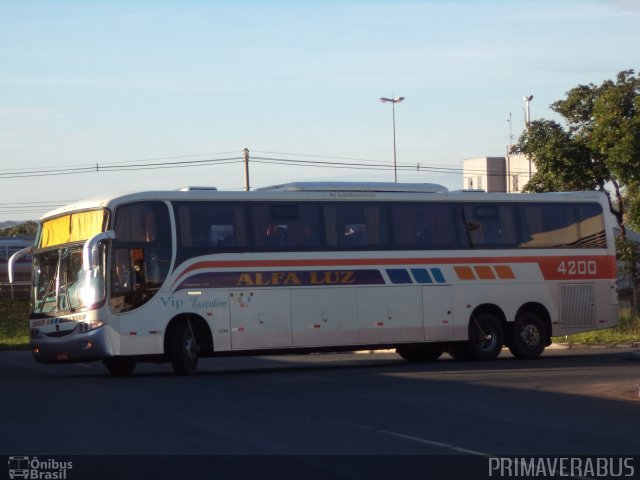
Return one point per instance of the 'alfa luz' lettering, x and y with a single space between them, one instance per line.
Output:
257 279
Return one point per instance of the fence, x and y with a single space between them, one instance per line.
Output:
16 291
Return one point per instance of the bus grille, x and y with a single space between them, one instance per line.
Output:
577 305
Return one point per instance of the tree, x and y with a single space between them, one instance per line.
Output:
599 149
26 228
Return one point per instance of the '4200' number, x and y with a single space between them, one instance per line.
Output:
578 267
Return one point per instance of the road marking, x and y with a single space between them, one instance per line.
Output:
416 439
433 442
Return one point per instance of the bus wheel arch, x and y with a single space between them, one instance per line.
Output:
486 332
531 331
187 337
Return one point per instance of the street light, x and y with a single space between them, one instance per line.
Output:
527 110
393 109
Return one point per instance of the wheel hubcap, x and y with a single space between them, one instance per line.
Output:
487 340
530 336
190 349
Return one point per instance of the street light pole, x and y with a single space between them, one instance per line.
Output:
393 110
527 110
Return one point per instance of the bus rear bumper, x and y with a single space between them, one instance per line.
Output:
75 347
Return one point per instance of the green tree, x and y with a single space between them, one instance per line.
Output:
25 228
599 146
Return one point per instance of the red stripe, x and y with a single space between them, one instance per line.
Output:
605 264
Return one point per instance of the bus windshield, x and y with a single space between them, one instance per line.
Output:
60 284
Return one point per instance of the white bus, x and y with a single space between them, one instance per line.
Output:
19 287
308 267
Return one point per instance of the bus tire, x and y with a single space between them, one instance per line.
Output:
424 352
183 349
528 336
119 366
486 336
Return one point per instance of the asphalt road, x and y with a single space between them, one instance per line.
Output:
568 402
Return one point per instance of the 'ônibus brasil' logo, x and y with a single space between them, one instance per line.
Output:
35 468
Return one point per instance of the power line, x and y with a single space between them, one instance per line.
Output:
170 162
29 173
159 163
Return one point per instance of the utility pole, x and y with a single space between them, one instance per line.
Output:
247 187
509 155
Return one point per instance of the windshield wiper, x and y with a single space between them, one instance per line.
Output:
47 290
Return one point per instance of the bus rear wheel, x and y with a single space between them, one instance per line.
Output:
528 336
424 352
183 349
120 367
486 336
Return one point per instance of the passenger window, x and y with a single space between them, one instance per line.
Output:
591 226
285 226
213 226
490 225
547 225
425 225
356 225
205 228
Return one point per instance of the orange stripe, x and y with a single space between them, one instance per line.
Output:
465 273
484 272
504 272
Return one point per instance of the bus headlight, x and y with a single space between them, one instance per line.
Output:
88 326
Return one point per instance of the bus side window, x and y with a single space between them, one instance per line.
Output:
548 225
204 228
591 226
424 225
356 225
285 226
141 253
490 225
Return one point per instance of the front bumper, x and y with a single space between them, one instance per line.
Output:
75 347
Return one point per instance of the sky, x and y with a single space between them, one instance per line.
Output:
110 97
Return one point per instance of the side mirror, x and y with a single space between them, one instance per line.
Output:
90 252
14 258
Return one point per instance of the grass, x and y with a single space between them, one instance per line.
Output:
627 331
14 326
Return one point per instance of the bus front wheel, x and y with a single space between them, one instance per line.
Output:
120 367
528 336
183 349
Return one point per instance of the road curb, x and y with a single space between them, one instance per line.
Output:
602 346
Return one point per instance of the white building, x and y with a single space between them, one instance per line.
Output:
498 174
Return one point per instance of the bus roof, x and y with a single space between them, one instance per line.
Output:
361 191
357 187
